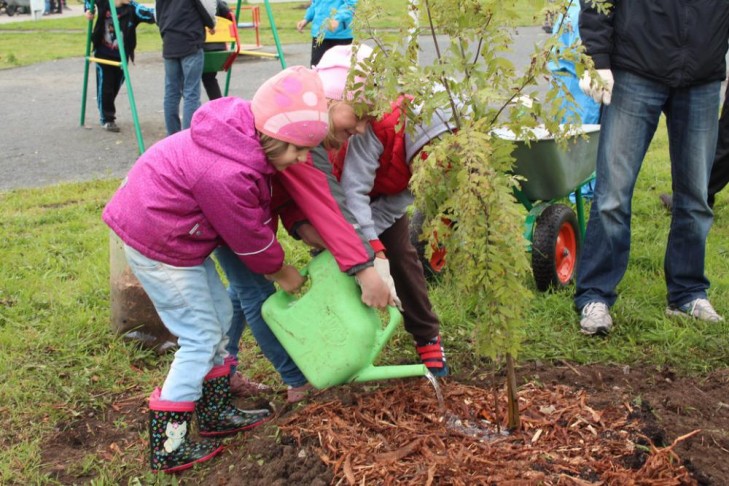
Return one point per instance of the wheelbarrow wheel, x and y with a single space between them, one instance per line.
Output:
555 247
10 10
431 267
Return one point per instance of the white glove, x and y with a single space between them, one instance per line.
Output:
601 89
382 266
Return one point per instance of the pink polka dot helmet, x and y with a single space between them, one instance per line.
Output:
291 107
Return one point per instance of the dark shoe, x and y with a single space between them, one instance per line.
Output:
667 201
216 415
242 386
433 357
295 394
110 127
169 427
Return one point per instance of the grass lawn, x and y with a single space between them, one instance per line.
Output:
60 358
50 38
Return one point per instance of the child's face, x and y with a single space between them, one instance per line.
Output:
344 122
292 155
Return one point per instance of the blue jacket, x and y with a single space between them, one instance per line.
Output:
321 10
584 108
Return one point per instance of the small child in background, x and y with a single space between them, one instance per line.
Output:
333 19
109 79
210 80
584 109
374 170
187 195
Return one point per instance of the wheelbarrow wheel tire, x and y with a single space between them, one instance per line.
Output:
416 228
10 10
555 247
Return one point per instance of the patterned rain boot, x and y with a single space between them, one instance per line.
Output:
169 426
433 356
216 415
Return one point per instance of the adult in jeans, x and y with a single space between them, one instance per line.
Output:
182 27
652 57
719 177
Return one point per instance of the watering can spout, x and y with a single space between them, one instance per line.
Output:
374 373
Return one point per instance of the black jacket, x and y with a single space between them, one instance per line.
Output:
182 25
675 42
129 17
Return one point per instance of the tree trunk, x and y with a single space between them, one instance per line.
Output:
514 420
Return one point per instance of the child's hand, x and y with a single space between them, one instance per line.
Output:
89 15
310 236
375 292
300 25
333 25
382 267
288 278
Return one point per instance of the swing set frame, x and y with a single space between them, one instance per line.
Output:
124 65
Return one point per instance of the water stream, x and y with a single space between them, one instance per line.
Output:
479 429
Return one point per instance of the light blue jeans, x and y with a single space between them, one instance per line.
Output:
182 80
193 304
248 291
627 128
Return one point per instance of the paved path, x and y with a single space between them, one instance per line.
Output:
41 142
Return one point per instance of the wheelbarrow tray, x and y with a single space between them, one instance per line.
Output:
553 171
19 3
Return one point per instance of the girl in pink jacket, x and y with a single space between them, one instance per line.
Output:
187 195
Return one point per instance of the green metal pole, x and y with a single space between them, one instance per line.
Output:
269 12
125 69
230 69
86 71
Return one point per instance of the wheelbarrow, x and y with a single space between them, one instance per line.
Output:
552 228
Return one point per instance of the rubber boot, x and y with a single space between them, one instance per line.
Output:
216 414
169 428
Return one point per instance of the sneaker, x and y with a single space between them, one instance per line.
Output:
596 319
298 393
433 356
667 201
110 127
242 386
701 309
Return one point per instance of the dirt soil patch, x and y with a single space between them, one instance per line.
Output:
581 425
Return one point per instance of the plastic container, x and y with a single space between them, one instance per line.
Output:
329 333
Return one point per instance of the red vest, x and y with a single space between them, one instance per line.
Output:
393 175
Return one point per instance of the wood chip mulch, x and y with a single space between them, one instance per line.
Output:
397 435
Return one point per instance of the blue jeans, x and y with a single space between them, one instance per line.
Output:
628 125
182 80
193 304
247 292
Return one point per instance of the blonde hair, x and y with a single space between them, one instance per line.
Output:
272 147
331 142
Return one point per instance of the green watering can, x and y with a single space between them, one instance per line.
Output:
329 333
